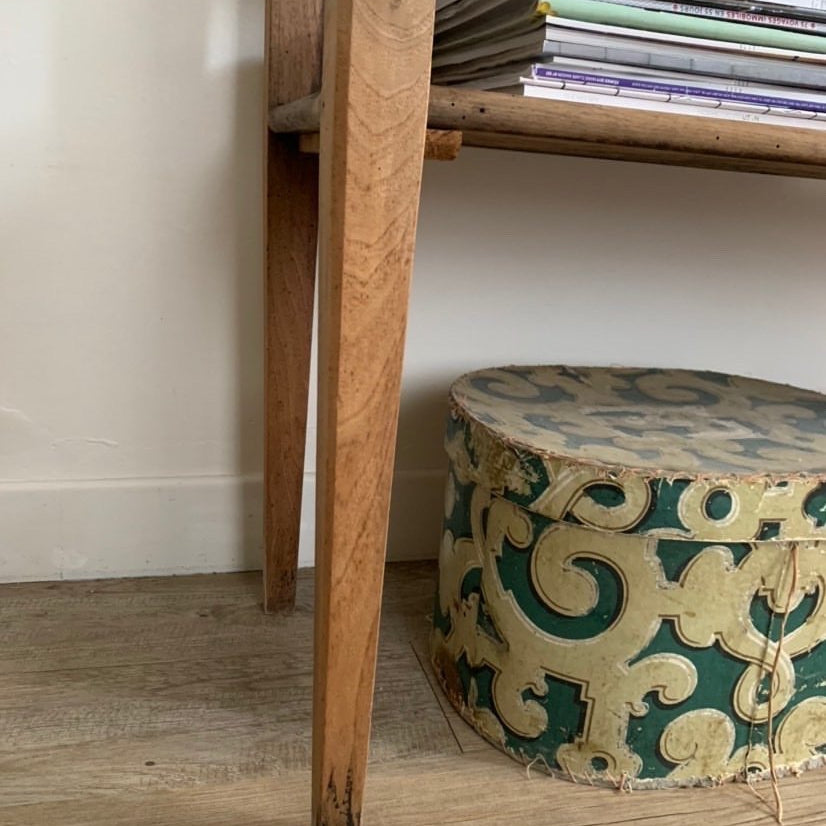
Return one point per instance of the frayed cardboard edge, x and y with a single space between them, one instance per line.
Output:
625 782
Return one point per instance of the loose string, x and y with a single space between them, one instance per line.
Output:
778 800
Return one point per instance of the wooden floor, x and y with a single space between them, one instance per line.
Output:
176 702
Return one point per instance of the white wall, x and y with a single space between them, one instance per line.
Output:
130 236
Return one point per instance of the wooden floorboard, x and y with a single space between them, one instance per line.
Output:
175 702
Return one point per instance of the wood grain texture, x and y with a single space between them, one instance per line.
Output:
294 40
618 152
439 144
490 112
479 790
442 144
183 712
223 739
373 120
293 52
101 732
291 233
500 121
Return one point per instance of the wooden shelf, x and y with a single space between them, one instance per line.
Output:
500 121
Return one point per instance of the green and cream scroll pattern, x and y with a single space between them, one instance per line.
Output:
663 682
728 509
659 422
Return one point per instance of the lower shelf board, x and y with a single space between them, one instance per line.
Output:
502 121
175 701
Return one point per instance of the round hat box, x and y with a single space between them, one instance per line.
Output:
632 572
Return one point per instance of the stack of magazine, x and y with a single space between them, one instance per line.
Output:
732 59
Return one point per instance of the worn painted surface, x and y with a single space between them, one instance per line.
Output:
624 596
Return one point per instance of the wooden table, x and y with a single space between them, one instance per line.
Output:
366 115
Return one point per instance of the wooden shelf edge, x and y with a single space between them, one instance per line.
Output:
301 115
500 121
620 152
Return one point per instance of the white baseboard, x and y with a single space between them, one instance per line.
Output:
129 527
181 525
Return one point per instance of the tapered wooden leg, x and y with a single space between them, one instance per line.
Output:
375 88
292 210
293 52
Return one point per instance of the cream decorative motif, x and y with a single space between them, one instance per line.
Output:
612 683
701 742
753 504
754 501
657 420
696 503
